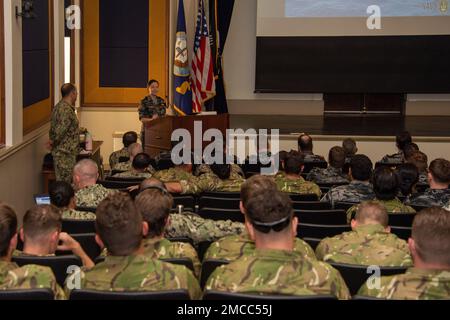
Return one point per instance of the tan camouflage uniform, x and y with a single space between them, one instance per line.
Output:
298 186
123 166
211 183
115 157
136 274
71 214
277 272
147 174
204 168
65 135
328 175
90 197
234 247
392 206
415 284
172 175
367 245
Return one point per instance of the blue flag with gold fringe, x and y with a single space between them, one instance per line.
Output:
181 70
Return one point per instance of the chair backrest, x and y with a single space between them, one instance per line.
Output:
88 243
186 262
313 242
311 205
314 164
355 276
344 205
118 185
164 164
401 219
303 197
228 195
332 185
216 295
91 295
135 181
322 217
419 208
219 203
202 247
317 231
402 232
58 264
208 267
181 239
188 203
27 295
222 214
78 226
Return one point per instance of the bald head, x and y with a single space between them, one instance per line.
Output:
305 143
134 150
371 212
69 93
85 173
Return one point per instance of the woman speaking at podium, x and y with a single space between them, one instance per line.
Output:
152 106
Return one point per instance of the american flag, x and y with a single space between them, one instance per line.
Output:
203 79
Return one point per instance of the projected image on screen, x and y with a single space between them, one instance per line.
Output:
358 8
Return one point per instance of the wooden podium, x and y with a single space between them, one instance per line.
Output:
158 132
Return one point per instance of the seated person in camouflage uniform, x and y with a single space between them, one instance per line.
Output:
370 242
42 237
420 160
180 172
410 149
234 247
350 149
141 168
274 268
332 174
88 193
386 186
292 181
438 194
62 196
430 249
305 147
402 140
194 227
120 230
133 150
408 176
155 204
11 276
360 189
128 139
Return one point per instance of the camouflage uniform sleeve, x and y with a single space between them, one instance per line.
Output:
197 185
315 189
340 287
351 213
193 286
142 111
312 175
63 119
322 249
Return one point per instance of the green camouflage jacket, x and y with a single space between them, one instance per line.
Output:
115 157
299 186
392 206
123 166
367 245
209 182
204 168
71 214
65 129
172 175
90 197
133 174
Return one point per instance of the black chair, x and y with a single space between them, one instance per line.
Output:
303 197
322 217
420 188
91 295
332 185
314 243
114 172
355 276
86 209
314 164
221 214
58 264
88 243
228 195
188 202
402 232
216 295
27 295
324 190
318 231
344 205
401 219
164 164
202 247
419 208
118 185
208 267
311 205
78 226
181 239
219 203
135 181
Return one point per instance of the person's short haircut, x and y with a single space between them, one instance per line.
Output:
141 161
408 176
305 143
385 183
61 193
119 224
86 169
255 185
420 160
362 167
223 171
269 210
431 234
410 149
40 221
67 89
294 163
349 146
152 81
129 138
370 212
134 149
336 157
403 139
440 170
154 205
8 227
152 183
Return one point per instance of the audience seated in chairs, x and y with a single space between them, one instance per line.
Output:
120 229
420 160
62 196
370 242
141 168
128 139
430 249
408 176
350 150
402 140
271 224
133 150
332 174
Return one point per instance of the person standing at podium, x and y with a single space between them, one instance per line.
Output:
152 106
